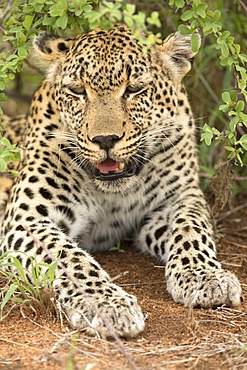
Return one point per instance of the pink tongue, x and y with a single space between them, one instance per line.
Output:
108 165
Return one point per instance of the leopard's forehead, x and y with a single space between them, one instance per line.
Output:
115 42
111 57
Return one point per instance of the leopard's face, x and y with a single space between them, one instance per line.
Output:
115 101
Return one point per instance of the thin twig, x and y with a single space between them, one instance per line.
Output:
228 213
146 283
8 7
205 175
237 244
119 276
243 5
17 343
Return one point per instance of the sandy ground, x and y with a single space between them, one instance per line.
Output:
174 337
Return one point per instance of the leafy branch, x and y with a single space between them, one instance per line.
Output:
197 15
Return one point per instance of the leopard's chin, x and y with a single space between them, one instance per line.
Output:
118 185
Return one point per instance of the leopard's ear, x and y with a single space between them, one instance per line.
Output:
50 48
176 51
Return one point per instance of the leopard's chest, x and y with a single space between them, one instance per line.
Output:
115 218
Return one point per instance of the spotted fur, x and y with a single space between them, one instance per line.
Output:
110 152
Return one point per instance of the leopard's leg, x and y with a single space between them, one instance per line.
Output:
181 235
99 305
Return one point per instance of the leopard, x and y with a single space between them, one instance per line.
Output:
110 152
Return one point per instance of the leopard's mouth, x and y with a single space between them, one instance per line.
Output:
109 170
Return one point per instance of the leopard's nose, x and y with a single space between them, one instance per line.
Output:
106 141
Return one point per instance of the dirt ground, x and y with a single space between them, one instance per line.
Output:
174 338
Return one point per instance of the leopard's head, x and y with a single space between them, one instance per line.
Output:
112 97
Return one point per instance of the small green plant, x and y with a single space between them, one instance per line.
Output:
117 247
29 288
8 153
243 348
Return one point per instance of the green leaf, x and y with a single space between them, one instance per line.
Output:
200 10
11 76
87 8
243 117
128 20
62 21
223 107
240 106
2 85
5 142
48 21
63 4
224 50
22 52
206 128
216 16
38 7
3 165
184 30
27 23
8 295
243 141
54 12
130 9
225 35
59 8
179 3
207 137
233 123
115 13
188 14
226 97
207 134
14 172
154 19
194 43
215 131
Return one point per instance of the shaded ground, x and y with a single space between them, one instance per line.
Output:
174 338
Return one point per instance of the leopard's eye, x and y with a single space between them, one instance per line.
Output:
134 89
80 90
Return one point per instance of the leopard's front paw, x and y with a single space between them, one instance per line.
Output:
205 288
113 311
